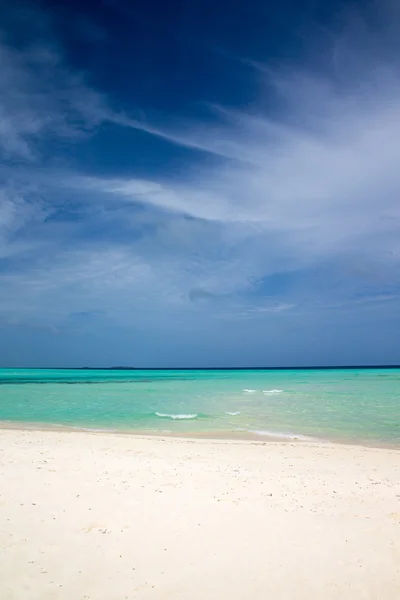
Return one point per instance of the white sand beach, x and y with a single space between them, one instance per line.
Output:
113 517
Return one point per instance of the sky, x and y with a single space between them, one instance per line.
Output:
195 183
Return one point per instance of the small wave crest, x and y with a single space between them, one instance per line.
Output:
177 417
233 414
272 391
249 391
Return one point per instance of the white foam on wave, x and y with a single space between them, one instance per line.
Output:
283 436
250 391
233 414
177 417
272 391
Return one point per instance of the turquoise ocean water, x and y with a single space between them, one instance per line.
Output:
357 405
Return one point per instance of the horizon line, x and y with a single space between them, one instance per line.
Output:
292 368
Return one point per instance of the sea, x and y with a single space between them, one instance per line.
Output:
337 405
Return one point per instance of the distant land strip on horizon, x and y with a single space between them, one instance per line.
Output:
310 368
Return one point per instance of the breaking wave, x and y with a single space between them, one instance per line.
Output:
177 417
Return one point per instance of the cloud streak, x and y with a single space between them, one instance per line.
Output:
330 186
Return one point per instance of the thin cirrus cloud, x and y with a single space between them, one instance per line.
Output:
314 174
329 188
40 99
299 211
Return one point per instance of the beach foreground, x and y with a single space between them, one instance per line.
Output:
109 517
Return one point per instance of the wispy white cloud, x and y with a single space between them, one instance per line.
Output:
320 170
40 97
330 186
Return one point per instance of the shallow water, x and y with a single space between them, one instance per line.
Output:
360 405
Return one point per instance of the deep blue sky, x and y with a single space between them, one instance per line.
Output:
196 183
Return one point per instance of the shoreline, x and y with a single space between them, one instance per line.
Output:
223 436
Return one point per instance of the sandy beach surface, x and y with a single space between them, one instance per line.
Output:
114 517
